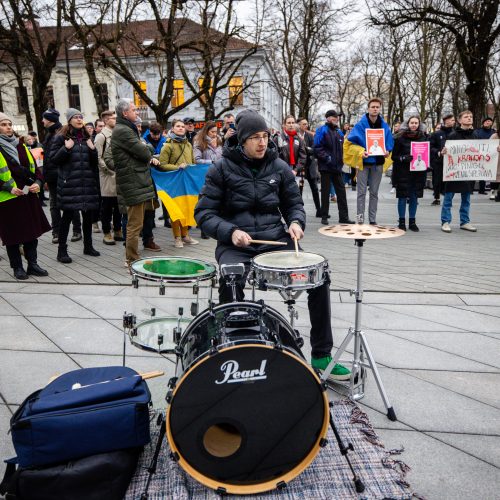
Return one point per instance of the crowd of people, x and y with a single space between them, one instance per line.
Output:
99 173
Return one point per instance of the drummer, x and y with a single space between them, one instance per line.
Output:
246 195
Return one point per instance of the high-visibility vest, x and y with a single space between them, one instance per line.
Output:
6 177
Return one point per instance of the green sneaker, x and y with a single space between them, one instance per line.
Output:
339 372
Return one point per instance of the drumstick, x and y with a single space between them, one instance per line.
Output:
296 247
267 242
147 375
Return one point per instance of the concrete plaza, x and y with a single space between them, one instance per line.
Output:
431 315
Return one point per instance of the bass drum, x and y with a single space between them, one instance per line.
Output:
247 413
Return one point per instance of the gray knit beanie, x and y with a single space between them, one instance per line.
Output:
70 112
3 117
249 122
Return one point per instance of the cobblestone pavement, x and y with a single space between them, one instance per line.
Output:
431 315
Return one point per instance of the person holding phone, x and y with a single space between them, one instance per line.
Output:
176 153
22 220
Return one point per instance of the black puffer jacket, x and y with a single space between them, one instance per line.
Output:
460 134
403 179
49 169
77 182
250 196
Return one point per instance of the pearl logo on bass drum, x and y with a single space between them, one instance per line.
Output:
232 375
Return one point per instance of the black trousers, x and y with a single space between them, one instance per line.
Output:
313 184
338 182
55 213
110 213
318 300
14 253
66 219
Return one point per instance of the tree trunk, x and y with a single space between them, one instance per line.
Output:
88 57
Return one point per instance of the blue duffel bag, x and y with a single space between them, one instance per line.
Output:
82 413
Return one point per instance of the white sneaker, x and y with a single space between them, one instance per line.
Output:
468 227
178 242
189 241
446 227
493 194
95 228
393 190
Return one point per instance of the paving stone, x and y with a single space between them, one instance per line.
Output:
23 372
481 300
19 333
32 304
405 298
441 471
7 309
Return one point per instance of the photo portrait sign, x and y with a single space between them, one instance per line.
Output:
421 152
470 160
375 141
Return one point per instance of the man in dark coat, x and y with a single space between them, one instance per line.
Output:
328 143
132 160
245 196
437 141
50 120
190 131
485 132
311 168
464 132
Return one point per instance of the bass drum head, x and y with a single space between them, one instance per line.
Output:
247 418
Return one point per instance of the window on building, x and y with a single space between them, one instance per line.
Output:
203 97
102 92
74 97
178 97
22 99
236 90
137 99
48 98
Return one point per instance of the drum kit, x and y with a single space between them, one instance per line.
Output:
246 412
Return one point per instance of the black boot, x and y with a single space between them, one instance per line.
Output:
36 270
204 236
20 273
412 226
62 255
402 223
90 250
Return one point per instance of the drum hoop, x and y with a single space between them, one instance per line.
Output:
250 488
167 278
267 267
157 319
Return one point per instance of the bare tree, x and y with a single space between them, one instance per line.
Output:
474 25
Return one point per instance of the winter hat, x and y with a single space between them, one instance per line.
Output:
52 115
249 122
486 118
70 112
3 117
331 112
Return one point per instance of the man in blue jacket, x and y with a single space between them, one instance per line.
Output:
371 173
328 143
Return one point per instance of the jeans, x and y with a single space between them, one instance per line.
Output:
412 208
369 176
464 208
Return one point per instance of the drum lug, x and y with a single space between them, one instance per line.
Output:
172 382
281 485
162 288
129 320
323 442
196 289
194 308
299 341
169 396
160 341
221 491
177 335
135 282
174 456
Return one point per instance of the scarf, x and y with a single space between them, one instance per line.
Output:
412 134
291 144
175 137
79 136
9 144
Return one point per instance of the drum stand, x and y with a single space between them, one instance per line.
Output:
358 363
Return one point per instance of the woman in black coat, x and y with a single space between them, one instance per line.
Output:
409 184
77 184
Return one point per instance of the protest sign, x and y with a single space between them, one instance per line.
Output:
421 156
470 160
375 141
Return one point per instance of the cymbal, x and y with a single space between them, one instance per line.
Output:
361 231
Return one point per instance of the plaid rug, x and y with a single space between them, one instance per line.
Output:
328 477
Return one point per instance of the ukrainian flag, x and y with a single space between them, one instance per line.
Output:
179 190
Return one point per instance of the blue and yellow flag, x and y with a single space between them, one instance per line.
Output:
179 190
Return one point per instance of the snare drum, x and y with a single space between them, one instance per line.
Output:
246 412
173 269
286 270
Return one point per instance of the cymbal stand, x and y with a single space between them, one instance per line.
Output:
361 348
